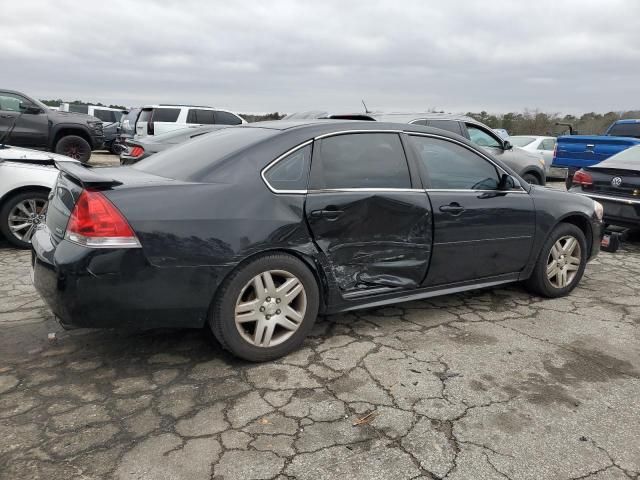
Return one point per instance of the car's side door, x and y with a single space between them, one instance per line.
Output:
480 231
30 129
368 213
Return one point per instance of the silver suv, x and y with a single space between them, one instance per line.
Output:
529 166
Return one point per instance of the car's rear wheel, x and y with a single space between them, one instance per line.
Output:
74 147
531 179
561 263
266 308
20 216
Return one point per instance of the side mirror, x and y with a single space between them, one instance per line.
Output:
507 145
507 182
30 108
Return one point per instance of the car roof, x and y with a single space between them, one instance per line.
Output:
628 120
394 117
537 137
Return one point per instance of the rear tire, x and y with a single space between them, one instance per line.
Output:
265 308
561 262
74 147
26 208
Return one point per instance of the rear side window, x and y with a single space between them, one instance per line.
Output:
205 117
547 144
362 160
192 160
165 114
448 125
227 118
447 165
521 141
291 172
108 116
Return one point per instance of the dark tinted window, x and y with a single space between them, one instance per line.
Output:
227 118
625 130
201 116
192 159
292 172
482 138
448 165
165 114
108 116
448 125
363 160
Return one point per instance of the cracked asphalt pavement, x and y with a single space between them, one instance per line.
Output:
490 384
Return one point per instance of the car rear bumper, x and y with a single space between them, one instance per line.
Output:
624 212
117 288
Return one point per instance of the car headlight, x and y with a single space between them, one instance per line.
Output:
599 209
541 160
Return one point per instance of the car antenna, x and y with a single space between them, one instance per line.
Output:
8 133
366 110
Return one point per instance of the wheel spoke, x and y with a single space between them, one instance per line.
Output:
269 286
562 277
292 314
293 293
24 209
288 324
287 285
261 326
17 228
555 251
552 268
258 286
268 334
570 246
27 236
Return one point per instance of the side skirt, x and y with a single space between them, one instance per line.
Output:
399 296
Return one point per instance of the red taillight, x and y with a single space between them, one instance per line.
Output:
555 153
136 151
582 178
96 222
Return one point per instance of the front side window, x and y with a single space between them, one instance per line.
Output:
482 138
291 172
12 103
361 160
450 166
226 118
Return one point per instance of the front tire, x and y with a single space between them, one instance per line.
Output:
561 262
531 179
74 147
265 308
20 216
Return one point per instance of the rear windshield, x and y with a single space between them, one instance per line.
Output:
625 130
521 141
629 158
189 161
145 115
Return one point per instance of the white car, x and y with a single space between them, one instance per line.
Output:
157 119
541 145
26 177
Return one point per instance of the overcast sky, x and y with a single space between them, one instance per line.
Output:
260 56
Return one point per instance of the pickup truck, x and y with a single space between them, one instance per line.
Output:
26 122
574 152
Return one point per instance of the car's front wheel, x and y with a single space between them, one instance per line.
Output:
266 308
20 216
75 147
561 262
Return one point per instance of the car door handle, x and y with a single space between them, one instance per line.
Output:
453 208
328 213
6 116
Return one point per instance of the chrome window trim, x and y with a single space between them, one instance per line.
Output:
628 201
477 152
274 162
345 132
464 190
363 189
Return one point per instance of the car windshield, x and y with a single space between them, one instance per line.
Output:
187 161
521 141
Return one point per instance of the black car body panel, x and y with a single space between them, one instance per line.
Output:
366 246
616 185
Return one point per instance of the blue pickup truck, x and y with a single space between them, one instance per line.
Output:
574 152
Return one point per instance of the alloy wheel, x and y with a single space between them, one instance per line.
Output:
25 217
564 261
270 308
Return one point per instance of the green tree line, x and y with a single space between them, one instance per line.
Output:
535 122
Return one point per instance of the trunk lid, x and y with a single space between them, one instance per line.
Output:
615 181
75 177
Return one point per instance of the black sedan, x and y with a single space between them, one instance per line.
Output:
258 229
615 183
139 149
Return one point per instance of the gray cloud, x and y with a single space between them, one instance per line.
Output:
253 56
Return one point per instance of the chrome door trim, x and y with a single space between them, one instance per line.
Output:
628 201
